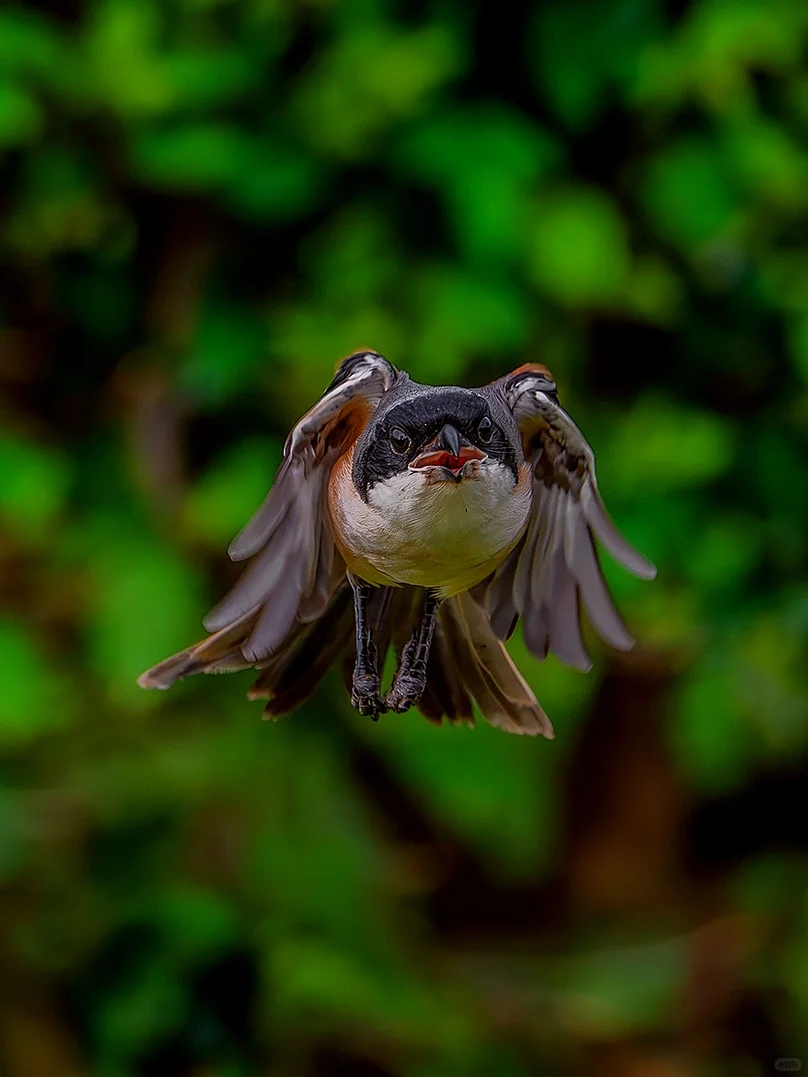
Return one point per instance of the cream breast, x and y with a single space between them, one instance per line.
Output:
444 535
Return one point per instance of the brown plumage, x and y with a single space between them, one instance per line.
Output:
458 512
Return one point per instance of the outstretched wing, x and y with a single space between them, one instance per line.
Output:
295 568
555 567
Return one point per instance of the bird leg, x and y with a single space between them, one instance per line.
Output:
366 687
410 679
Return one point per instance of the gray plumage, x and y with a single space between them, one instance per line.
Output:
290 614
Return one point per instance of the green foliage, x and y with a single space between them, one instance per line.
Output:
579 254
29 695
36 482
205 203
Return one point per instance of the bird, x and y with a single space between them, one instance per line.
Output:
426 522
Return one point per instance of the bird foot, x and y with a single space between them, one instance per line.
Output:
365 696
405 692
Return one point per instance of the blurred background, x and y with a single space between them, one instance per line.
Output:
204 204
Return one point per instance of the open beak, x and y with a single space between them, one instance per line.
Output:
451 452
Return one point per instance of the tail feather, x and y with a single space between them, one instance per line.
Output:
288 683
445 678
468 664
395 617
488 672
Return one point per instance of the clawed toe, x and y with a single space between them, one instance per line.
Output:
365 697
371 706
405 693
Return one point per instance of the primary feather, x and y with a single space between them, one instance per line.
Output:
520 544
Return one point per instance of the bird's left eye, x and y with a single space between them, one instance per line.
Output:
485 431
400 441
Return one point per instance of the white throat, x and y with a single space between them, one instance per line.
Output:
445 535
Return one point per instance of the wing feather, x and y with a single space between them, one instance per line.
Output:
555 569
498 599
295 569
601 523
599 605
273 563
565 621
270 514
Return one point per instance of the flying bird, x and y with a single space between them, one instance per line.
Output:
426 520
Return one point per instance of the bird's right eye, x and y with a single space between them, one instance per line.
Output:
399 440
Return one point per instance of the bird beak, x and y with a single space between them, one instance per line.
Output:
450 440
449 451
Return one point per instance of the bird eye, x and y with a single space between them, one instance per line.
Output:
485 430
399 440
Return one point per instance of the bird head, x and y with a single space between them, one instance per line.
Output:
437 436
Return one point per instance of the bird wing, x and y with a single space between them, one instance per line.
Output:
555 567
296 568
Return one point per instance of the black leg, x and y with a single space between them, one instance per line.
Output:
410 679
366 694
